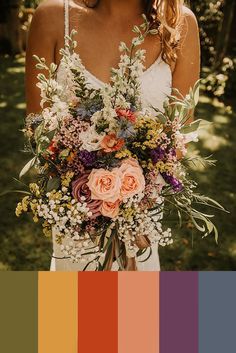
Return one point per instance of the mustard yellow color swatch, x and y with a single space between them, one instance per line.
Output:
57 312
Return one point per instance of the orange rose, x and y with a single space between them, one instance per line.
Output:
104 184
111 143
110 209
132 180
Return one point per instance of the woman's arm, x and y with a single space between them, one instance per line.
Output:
187 68
43 35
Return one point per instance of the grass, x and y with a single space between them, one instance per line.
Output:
22 245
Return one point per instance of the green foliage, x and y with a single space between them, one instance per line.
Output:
31 3
221 82
219 73
209 15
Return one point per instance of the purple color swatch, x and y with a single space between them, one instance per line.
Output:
179 312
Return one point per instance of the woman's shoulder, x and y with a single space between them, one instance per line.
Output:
49 8
188 23
56 6
188 16
48 17
50 5
52 11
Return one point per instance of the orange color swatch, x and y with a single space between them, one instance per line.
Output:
138 312
57 312
97 312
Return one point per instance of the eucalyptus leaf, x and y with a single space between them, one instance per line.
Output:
194 126
208 201
53 184
38 132
196 90
27 167
180 218
15 191
200 228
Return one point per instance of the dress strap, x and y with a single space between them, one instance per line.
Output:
67 21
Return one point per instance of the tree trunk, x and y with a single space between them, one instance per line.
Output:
223 38
10 26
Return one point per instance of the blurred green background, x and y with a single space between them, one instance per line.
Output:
22 245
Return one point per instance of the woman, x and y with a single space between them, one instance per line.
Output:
172 56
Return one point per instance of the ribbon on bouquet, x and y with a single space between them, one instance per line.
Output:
128 263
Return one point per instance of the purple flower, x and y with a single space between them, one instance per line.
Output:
172 152
88 158
157 154
175 183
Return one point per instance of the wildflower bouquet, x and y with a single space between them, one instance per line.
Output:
107 171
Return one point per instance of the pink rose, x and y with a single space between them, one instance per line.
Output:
104 184
110 209
81 189
132 179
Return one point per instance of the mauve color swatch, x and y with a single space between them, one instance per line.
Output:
179 312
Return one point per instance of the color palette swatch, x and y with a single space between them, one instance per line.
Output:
117 312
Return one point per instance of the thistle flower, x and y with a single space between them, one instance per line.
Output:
175 183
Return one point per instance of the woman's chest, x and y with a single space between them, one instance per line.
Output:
98 47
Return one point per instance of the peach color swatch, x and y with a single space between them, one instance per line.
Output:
138 312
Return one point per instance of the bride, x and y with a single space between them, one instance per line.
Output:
172 58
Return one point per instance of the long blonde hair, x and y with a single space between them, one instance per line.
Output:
166 15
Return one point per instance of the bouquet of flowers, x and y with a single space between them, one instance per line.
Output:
106 171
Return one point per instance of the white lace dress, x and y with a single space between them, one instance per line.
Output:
156 82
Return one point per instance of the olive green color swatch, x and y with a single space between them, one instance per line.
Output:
18 312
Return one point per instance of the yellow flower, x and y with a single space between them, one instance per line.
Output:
123 154
47 232
150 165
34 188
55 195
66 179
160 166
33 205
128 213
35 219
19 209
25 203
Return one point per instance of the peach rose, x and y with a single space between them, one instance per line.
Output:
132 180
110 209
111 143
104 184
